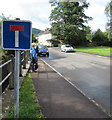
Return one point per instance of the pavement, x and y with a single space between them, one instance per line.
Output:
59 99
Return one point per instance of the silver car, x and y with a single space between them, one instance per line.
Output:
67 48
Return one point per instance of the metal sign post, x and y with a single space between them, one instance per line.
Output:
16 35
16 29
16 83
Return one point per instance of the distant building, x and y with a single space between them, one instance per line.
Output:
46 38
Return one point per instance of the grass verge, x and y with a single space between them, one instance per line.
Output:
28 107
96 50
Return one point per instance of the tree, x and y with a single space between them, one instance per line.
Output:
3 17
109 36
67 21
108 12
99 38
88 33
33 38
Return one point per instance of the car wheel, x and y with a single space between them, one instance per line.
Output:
48 54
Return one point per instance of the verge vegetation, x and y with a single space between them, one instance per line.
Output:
29 106
96 50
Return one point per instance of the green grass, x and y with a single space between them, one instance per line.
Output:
96 50
29 107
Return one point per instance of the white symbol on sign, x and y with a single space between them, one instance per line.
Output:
16 38
16 28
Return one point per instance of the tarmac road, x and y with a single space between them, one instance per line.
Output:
90 73
59 99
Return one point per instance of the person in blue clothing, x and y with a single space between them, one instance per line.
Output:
33 58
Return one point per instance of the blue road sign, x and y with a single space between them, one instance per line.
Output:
16 35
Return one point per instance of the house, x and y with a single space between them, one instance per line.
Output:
47 39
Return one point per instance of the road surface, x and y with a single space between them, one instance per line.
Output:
90 73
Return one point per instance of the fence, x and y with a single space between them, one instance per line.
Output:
7 69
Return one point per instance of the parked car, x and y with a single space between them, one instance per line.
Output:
43 50
67 48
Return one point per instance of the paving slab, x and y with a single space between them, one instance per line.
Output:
59 99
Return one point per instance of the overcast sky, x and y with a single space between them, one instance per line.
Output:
38 11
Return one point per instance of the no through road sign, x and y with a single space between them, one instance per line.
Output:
16 35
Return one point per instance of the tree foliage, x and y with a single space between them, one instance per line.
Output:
108 12
99 38
34 39
88 33
67 21
3 17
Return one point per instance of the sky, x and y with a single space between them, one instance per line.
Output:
38 12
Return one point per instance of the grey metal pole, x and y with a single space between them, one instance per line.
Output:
16 75
20 73
17 67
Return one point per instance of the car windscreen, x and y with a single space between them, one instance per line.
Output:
42 47
68 46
